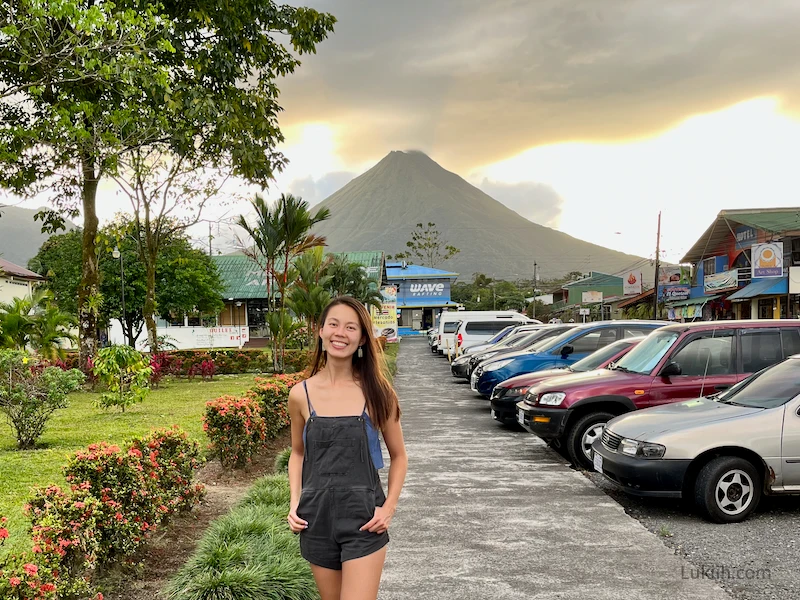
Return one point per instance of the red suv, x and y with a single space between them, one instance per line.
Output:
674 363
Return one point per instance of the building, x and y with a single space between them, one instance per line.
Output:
599 293
742 266
16 281
422 293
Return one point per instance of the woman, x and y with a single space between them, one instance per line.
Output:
338 505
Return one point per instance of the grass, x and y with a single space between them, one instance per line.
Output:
391 357
250 553
176 402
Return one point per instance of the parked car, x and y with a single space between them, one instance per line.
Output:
474 331
528 341
507 393
504 334
448 323
561 351
678 362
523 337
723 452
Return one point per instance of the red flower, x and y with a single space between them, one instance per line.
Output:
14 581
3 533
30 568
48 587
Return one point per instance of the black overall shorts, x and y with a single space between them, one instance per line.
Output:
341 489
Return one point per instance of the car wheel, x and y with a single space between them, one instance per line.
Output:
727 489
582 435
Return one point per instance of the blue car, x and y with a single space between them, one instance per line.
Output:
558 352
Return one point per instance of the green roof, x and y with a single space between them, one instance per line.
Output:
242 277
596 279
371 261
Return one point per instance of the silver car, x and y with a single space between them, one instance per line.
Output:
723 451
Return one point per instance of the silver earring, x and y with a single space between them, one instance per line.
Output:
360 352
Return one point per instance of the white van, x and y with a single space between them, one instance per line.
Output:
448 324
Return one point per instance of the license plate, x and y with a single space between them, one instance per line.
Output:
492 413
598 462
521 417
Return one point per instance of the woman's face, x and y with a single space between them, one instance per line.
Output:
341 333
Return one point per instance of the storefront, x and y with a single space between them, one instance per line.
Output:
422 293
762 299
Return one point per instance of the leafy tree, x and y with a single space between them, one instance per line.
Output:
350 279
125 373
198 85
426 246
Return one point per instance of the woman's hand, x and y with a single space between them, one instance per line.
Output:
296 524
379 523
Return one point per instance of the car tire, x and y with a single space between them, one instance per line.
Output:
584 431
727 489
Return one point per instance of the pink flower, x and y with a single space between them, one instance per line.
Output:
14 581
3 533
30 568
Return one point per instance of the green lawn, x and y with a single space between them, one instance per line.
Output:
175 402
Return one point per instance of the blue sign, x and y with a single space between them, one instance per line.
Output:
423 292
745 237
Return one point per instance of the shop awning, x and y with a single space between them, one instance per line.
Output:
691 301
766 287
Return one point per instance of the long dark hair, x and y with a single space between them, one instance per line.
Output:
369 371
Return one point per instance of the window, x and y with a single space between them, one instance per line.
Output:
644 358
760 349
629 332
485 327
709 354
766 308
791 342
709 266
256 313
796 251
594 340
451 326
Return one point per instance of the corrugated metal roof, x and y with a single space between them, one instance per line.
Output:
242 277
9 268
394 270
766 287
596 278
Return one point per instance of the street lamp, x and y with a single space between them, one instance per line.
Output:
118 255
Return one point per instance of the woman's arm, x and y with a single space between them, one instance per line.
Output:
298 421
393 436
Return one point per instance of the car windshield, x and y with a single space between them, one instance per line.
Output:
769 388
513 340
543 339
644 358
500 335
597 359
556 342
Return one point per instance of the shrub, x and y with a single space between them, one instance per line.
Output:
272 396
170 458
282 460
125 372
30 392
297 360
159 367
207 369
22 579
249 553
235 428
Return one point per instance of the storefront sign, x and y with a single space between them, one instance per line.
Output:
384 320
745 237
673 293
722 281
674 276
423 292
767 259
591 297
632 283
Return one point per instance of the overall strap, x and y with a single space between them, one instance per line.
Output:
311 410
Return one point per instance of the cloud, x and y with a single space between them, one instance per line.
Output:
536 202
316 190
474 82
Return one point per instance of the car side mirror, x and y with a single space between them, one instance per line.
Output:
671 369
566 351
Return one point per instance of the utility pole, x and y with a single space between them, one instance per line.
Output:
535 278
658 267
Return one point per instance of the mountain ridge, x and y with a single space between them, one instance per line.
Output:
379 209
20 235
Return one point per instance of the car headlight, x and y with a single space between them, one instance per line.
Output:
518 391
461 360
497 365
552 398
642 449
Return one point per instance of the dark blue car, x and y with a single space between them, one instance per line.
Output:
560 351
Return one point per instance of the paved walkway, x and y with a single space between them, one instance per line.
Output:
492 513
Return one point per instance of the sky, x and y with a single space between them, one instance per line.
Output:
587 116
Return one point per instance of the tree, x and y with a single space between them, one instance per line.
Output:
198 84
308 296
35 321
426 247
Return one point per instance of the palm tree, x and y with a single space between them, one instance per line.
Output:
51 329
350 279
308 296
266 237
16 324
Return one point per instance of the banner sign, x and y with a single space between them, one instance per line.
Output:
745 237
632 283
767 259
423 292
384 320
673 293
674 276
722 281
591 297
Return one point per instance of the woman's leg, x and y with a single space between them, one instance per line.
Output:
329 582
361 577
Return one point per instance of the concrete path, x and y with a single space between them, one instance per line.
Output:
492 513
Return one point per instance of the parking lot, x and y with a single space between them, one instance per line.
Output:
489 512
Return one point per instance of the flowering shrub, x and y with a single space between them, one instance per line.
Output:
21 579
297 360
207 369
235 428
31 391
126 374
272 396
159 367
170 459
